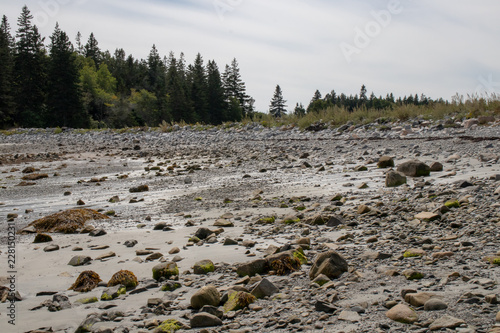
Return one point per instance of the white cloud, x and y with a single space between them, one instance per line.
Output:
432 47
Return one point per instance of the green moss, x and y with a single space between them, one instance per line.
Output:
106 297
110 213
300 208
171 286
452 204
165 270
198 199
415 276
207 268
169 326
267 220
194 239
299 254
409 254
291 220
238 300
88 300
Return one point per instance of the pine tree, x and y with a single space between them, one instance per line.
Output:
29 73
199 89
362 95
91 50
79 45
7 107
235 88
64 102
299 110
216 104
178 103
277 106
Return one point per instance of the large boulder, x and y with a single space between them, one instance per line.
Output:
385 162
203 267
238 300
414 168
394 179
264 288
165 270
208 295
330 264
252 268
402 314
204 319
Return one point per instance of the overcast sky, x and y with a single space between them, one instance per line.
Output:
433 47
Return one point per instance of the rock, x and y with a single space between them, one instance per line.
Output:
436 167
51 248
223 223
321 280
203 319
208 295
97 233
174 250
213 310
42 238
441 255
203 267
418 299
350 316
427 216
203 233
169 326
498 317
360 168
394 179
79 260
123 278
106 256
138 189
159 226
385 162
87 324
363 209
414 168
446 322
154 256
80 202
374 255
334 220
229 241
238 300
130 243
330 264
59 302
165 270
435 304
264 288
412 274
323 306
402 314
113 292
252 268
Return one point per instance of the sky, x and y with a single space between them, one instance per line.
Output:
437 48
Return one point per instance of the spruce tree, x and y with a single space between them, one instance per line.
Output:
64 102
235 88
29 73
277 106
216 104
362 95
299 110
178 104
6 74
198 89
91 50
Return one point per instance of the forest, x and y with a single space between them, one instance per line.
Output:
56 83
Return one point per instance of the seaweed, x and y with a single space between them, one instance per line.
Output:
125 278
285 265
66 222
86 282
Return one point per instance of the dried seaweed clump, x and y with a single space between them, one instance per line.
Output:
66 222
285 265
125 278
86 282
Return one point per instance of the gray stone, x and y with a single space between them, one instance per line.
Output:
264 288
79 260
414 168
130 243
252 268
97 233
204 319
402 314
385 162
351 316
446 322
394 179
330 264
435 304
51 248
208 295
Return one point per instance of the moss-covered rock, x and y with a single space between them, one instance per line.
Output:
452 204
238 300
113 292
203 267
169 326
208 295
87 300
267 220
299 255
165 270
171 286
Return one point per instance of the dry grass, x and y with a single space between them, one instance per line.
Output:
66 222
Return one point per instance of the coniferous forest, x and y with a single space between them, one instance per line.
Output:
53 82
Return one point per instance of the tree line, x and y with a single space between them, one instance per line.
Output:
61 84
318 103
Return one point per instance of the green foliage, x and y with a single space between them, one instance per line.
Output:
277 106
169 326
